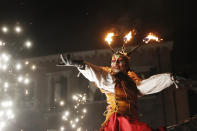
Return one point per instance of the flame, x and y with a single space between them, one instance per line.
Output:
128 37
151 37
109 38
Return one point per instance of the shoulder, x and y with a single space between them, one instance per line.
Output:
107 69
134 77
132 74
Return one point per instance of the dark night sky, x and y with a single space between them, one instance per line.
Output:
68 26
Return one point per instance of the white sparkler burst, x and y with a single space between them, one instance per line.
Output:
20 78
6 104
73 119
84 110
62 128
26 81
6 112
26 62
18 66
26 92
4 29
62 103
33 67
13 78
79 129
10 76
4 58
6 85
28 44
18 29
2 43
2 125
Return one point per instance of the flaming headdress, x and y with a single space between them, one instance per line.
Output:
150 38
126 39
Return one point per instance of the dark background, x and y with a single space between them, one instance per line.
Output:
67 26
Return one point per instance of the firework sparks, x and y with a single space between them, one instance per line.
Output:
28 44
62 103
74 118
2 43
4 29
33 67
26 62
12 74
18 29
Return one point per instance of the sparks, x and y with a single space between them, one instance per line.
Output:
18 29
61 103
33 67
74 118
2 43
20 78
26 92
28 44
11 77
5 29
62 128
84 110
26 81
26 62
18 66
6 84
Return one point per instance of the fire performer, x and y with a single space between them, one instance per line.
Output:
122 88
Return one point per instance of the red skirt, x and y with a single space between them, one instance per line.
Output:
119 122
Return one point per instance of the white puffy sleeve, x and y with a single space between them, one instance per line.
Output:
101 77
155 83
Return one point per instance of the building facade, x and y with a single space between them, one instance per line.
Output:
53 88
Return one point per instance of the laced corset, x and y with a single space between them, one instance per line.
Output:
124 101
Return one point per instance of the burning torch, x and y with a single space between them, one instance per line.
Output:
149 39
109 40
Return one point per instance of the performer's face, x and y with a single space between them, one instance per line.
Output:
118 64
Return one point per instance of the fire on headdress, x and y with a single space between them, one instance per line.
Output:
150 38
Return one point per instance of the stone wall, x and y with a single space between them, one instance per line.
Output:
157 110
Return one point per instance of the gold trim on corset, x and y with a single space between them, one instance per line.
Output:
124 101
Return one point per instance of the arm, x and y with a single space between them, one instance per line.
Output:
102 78
156 83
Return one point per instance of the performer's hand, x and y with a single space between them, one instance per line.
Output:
177 79
67 61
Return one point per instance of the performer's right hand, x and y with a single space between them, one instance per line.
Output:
67 61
